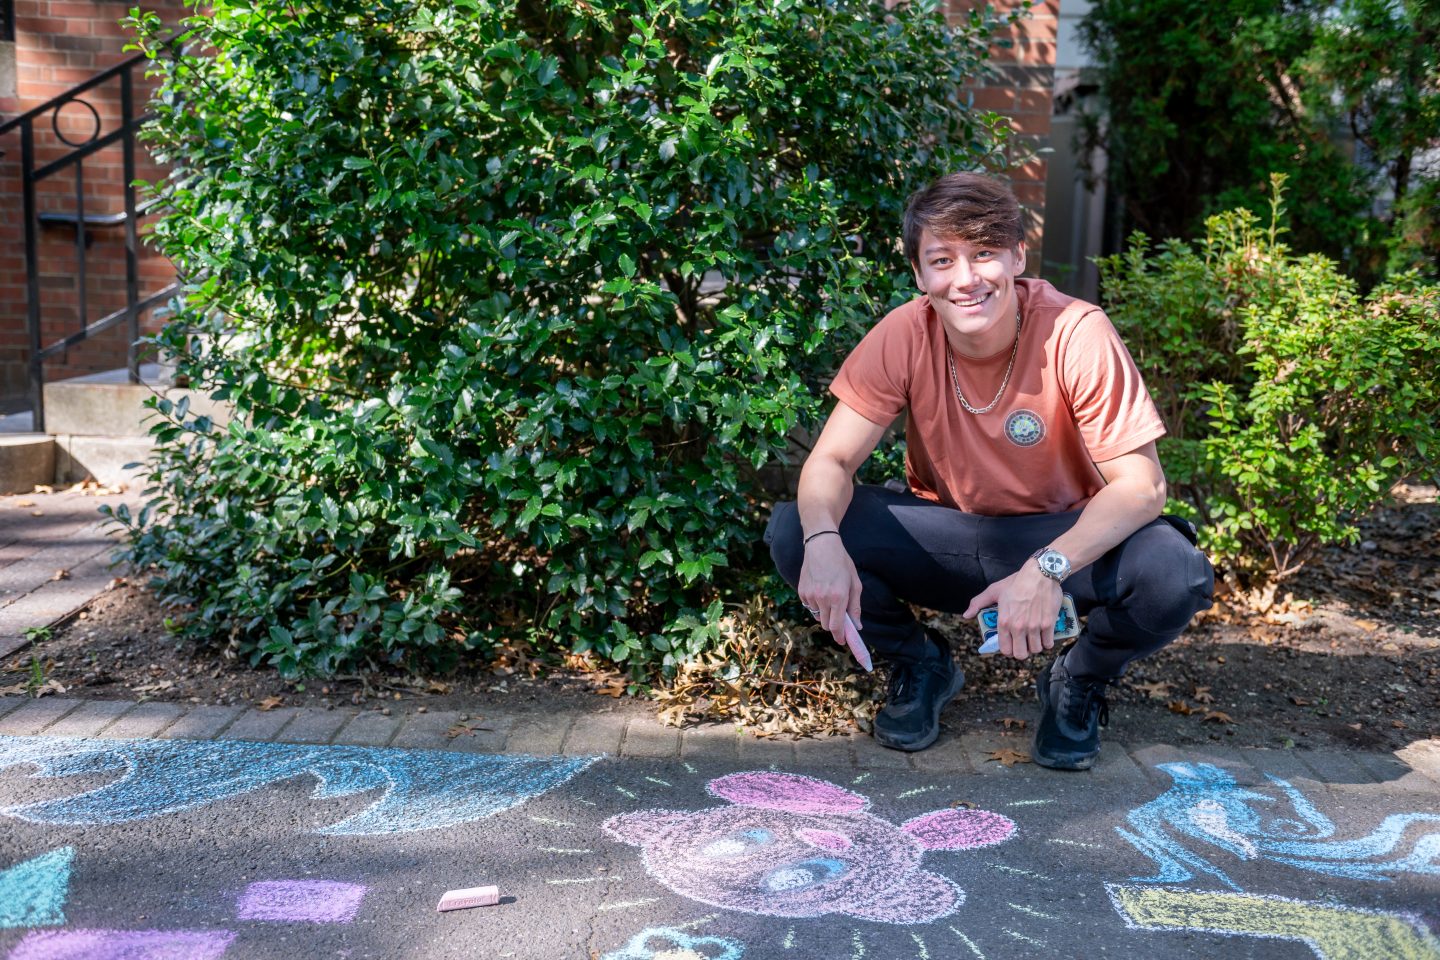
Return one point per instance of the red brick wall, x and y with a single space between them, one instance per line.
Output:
1021 89
59 43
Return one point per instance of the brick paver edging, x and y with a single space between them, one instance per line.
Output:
645 738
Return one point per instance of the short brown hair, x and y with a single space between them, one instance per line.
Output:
971 207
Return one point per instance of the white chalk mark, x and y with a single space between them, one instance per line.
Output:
859 947
1033 913
916 792
588 803
1077 843
572 880
1023 873
1021 936
968 942
690 768
861 779
663 783
628 904
789 943
924 953
700 922
626 792
553 823
563 850
1028 803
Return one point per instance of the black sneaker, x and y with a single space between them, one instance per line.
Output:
1072 711
910 719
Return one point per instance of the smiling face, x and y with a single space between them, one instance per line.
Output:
972 289
784 864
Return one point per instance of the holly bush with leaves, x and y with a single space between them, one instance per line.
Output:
511 302
1293 402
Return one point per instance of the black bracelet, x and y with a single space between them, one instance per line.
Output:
821 534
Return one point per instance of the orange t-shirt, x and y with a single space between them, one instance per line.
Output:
1075 397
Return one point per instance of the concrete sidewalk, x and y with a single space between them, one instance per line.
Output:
242 834
54 559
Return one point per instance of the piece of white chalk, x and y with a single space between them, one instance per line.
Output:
856 645
470 897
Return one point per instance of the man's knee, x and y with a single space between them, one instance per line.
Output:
1169 579
785 539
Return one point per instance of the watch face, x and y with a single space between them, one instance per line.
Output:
1054 563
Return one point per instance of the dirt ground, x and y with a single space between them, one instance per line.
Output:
1345 654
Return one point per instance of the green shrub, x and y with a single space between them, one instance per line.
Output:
1293 403
513 299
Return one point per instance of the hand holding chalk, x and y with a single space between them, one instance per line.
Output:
856 645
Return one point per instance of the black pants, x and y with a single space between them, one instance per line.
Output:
1138 597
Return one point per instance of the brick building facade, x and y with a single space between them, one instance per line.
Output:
48 46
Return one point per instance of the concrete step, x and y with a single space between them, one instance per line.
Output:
80 458
27 460
109 405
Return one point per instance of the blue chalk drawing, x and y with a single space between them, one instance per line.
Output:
423 789
663 942
32 894
1206 806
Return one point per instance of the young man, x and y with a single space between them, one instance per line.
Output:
1030 459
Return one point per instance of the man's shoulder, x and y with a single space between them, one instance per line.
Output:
1042 300
911 315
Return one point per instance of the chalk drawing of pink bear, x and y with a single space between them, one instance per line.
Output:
792 846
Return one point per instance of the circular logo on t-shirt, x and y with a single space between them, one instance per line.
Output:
1024 428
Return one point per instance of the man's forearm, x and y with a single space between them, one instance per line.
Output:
823 496
1114 513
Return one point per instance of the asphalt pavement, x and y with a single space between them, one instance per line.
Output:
139 831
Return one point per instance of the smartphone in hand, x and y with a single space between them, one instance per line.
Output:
1067 625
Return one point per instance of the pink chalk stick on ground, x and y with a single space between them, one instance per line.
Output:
469 897
856 645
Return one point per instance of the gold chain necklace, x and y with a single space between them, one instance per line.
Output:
1009 367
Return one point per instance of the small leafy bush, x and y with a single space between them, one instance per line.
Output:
511 301
1293 402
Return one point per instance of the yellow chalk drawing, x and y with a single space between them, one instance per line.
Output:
1333 932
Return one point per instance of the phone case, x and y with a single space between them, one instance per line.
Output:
1067 625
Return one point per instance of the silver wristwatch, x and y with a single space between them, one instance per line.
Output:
1052 563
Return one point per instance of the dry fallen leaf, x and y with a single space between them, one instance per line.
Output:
1010 757
1369 626
1300 701
24 503
13 690
1202 695
1155 691
1181 707
467 728
438 686
43 488
1216 716
963 804
61 575
37 513
270 703
1398 724
1008 722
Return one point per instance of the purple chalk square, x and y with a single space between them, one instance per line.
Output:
123 945
300 901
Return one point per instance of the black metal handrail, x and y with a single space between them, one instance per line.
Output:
82 222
